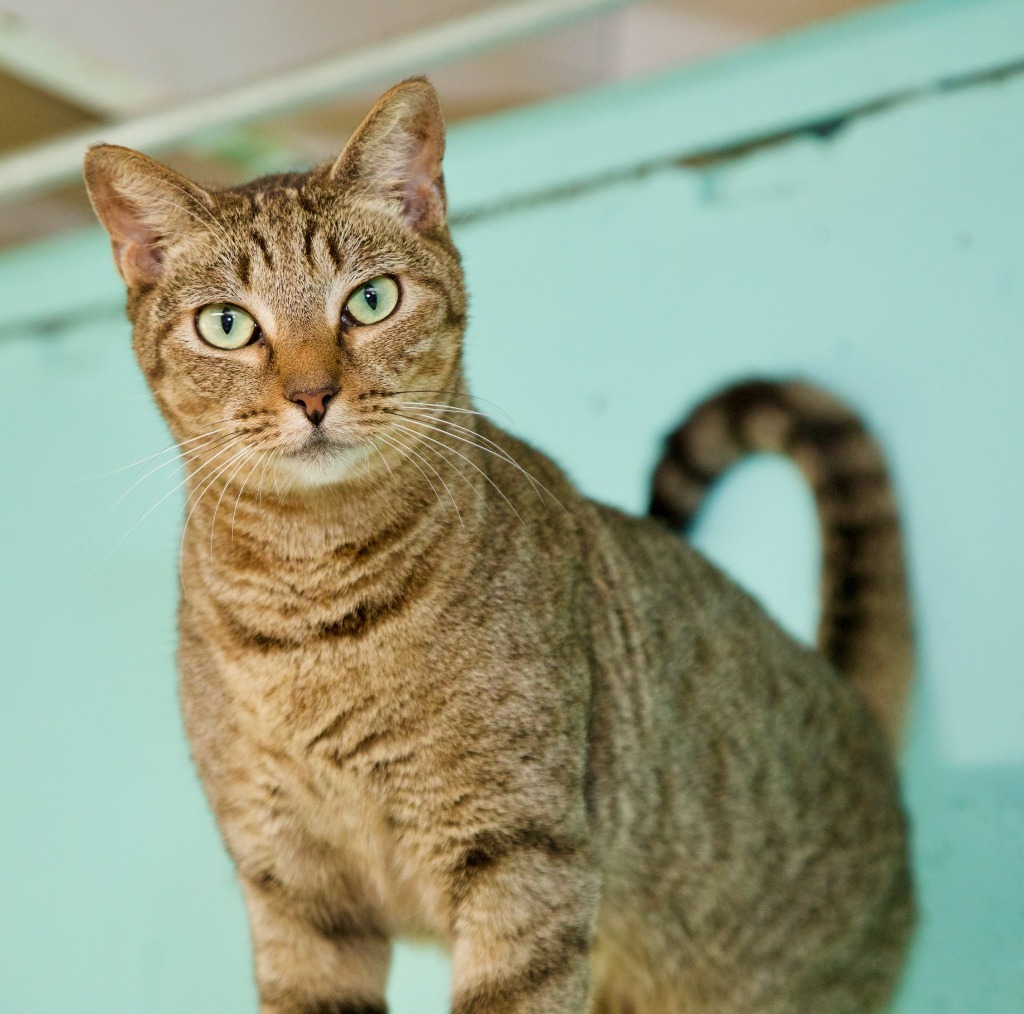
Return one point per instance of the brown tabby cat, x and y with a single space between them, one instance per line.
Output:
432 691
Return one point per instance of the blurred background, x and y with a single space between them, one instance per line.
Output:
652 200
67 67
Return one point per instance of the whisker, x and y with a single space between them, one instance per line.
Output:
367 471
441 407
451 464
400 447
181 459
246 454
229 442
227 484
169 493
230 446
291 482
383 458
149 457
498 449
467 397
259 489
470 462
248 476
199 496
501 453
277 485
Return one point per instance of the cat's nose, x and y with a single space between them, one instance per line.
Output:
314 403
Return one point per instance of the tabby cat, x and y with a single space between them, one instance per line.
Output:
432 691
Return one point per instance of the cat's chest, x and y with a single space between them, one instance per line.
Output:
304 815
328 841
296 748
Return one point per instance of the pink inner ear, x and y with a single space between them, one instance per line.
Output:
396 153
423 200
135 241
125 222
138 261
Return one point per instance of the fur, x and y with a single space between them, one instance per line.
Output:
433 691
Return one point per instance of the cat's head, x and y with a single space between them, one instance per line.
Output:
287 314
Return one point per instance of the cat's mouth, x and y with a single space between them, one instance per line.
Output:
317 446
316 458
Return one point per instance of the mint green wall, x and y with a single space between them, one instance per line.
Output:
612 286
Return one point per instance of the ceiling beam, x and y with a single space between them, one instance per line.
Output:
77 79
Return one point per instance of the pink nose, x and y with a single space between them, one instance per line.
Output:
314 403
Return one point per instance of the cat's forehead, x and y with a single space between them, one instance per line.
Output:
273 186
280 201
299 222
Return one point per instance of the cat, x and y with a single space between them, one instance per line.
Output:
432 691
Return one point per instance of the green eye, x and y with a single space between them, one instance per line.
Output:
226 326
373 300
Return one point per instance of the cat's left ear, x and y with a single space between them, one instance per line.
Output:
396 153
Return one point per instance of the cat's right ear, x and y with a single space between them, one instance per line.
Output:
143 205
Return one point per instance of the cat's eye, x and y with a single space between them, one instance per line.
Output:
226 326
373 300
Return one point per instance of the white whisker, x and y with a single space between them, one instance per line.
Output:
470 462
467 397
245 454
227 483
169 493
444 408
501 454
498 449
182 459
149 457
400 447
259 489
199 496
383 458
248 476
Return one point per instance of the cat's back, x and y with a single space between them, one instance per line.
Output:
709 657
769 795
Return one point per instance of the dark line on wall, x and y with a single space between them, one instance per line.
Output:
55 325
824 129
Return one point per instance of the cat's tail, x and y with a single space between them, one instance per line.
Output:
865 626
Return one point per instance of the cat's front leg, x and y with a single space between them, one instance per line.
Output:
525 921
303 968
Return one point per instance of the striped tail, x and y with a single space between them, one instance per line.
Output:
865 627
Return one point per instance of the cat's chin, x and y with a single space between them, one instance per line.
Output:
320 464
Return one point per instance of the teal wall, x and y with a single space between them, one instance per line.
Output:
613 283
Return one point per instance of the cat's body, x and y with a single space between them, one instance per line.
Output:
438 693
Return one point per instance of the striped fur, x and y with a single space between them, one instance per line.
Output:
433 691
865 628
